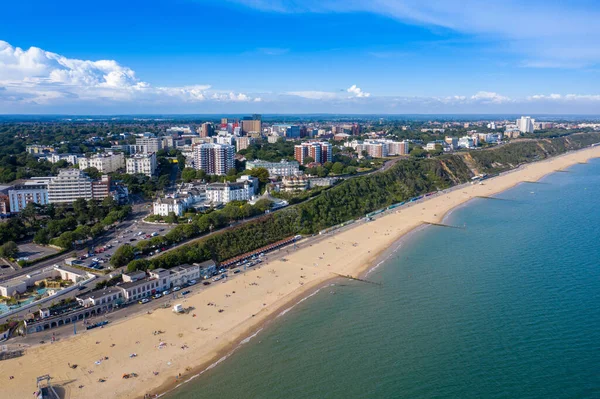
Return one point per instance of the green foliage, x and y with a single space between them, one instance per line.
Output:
122 256
272 152
9 250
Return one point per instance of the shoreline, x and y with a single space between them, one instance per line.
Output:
253 306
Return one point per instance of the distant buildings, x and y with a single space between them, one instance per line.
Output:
379 148
466 142
284 130
73 159
243 142
142 163
319 151
251 124
276 169
105 163
206 130
214 159
151 144
36 149
525 124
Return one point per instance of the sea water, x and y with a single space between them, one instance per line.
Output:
508 306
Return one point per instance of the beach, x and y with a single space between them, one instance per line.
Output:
228 312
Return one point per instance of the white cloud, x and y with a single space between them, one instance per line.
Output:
357 92
313 94
41 77
490 97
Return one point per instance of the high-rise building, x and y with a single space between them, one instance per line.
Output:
319 151
69 185
206 130
142 163
105 163
152 144
525 124
289 131
214 159
253 125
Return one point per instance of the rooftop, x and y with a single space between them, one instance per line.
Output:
143 281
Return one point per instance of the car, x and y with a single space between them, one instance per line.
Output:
167 292
236 271
140 233
206 282
176 288
148 236
132 239
192 282
215 279
186 292
154 234
156 296
143 301
161 229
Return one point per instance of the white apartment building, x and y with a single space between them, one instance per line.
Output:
214 159
164 206
70 158
20 195
69 185
466 142
163 277
525 124
276 169
180 275
379 148
105 163
227 139
140 289
242 190
142 163
151 144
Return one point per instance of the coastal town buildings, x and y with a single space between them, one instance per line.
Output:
525 124
285 130
73 159
214 159
276 169
150 144
105 162
20 195
69 185
242 190
36 149
206 129
379 148
319 151
142 163
243 142
165 206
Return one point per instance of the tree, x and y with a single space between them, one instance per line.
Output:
188 174
261 174
9 250
308 160
337 168
122 256
232 172
171 218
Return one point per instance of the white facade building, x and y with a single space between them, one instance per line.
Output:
70 158
142 163
69 185
105 163
466 142
276 169
525 124
150 144
164 206
242 190
180 275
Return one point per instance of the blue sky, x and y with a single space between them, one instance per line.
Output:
293 56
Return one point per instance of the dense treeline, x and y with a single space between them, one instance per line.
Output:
513 154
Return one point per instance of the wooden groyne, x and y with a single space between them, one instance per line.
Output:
534 182
563 171
444 225
359 279
493 198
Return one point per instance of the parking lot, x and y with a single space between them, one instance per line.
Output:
31 251
129 233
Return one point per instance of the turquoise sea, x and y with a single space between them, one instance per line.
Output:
508 307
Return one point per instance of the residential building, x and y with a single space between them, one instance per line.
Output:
273 138
69 185
164 206
4 204
214 159
180 275
105 163
452 142
207 269
163 277
227 139
142 163
276 169
20 195
525 124
36 149
242 190
73 159
139 289
319 151
466 142
379 148
152 144
110 295
179 129
243 142
294 183
133 276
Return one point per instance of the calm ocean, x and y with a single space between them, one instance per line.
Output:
508 307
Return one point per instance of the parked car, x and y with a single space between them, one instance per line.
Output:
192 282
156 296
186 292
176 288
236 271
167 292
206 282
145 300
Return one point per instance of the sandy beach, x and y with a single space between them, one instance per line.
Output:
227 312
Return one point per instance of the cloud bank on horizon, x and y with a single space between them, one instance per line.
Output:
40 81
